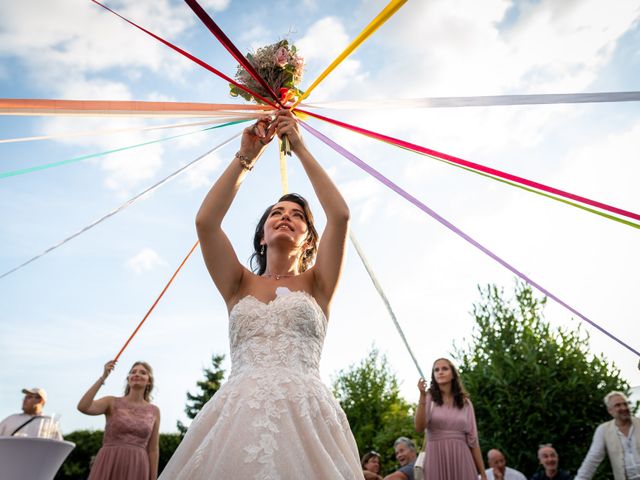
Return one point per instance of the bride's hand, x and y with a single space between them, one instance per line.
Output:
287 124
256 137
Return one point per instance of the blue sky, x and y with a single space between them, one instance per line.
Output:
64 315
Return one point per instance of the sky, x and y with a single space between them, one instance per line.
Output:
64 315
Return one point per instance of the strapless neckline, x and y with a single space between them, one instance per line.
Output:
267 304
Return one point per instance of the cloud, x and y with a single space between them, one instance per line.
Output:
324 40
606 161
216 5
562 46
201 174
125 170
256 35
128 169
466 49
363 196
70 40
145 261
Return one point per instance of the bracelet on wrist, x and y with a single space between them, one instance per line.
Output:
245 163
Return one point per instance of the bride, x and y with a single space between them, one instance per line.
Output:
274 418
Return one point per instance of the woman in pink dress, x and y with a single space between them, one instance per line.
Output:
130 446
446 412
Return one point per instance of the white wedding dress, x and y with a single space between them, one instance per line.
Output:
274 418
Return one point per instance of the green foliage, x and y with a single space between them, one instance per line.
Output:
76 466
369 394
531 383
168 443
208 387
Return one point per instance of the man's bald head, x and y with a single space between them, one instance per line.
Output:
496 460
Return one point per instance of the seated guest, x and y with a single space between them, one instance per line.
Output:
406 455
548 458
31 422
371 466
498 469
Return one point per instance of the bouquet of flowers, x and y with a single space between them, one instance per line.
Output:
281 68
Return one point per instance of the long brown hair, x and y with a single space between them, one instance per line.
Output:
460 395
149 387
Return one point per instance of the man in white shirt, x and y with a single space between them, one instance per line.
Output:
30 423
618 438
498 469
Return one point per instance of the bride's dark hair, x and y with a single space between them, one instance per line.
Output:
258 259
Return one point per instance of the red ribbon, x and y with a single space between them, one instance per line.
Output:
228 44
475 166
190 57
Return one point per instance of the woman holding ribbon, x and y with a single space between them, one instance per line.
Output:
130 448
274 418
446 412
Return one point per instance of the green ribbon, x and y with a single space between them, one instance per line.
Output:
533 190
22 171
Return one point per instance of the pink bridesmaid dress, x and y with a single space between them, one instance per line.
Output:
123 455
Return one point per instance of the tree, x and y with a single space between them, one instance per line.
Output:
369 395
168 443
208 387
531 383
76 465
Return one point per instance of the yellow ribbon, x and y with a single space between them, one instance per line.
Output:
383 16
283 170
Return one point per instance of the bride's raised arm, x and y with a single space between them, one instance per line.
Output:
329 259
219 256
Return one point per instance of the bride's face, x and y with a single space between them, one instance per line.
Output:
286 224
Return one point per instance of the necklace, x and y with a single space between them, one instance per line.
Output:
276 276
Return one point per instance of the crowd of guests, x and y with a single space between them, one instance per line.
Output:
130 449
444 413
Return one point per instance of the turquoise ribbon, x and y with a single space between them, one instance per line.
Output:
22 171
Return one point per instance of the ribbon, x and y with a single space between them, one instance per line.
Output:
481 168
384 298
89 133
20 106
481 101
283 169
156 302
407 196
231 48
537 192
189 56
382 17
22 171
122 207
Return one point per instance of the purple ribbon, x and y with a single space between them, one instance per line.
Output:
373 172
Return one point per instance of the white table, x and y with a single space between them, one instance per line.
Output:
23 458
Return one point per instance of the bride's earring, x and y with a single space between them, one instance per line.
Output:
262 250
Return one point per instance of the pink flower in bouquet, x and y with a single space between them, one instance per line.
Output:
281 67
298 64
282 56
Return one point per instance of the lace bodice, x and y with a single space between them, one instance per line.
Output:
130 423
287 332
